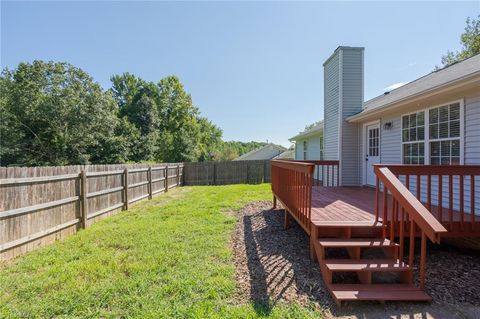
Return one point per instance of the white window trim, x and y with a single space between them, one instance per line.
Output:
424 141
365 146
427 140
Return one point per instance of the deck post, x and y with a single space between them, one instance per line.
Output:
313 238
274 202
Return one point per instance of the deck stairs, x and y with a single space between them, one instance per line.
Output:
359 264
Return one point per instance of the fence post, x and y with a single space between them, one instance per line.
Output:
83 199
149 176
248 173
178 175
166 178
214 173
125 189
264 171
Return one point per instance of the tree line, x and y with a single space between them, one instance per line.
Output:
55 114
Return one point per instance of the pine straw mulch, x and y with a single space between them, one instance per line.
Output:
273 265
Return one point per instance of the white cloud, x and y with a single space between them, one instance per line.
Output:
394 86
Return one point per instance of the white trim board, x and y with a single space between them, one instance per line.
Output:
364 147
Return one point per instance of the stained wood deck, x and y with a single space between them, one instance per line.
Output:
344 205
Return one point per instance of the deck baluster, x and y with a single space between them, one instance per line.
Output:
423 260
440 197
385 208
462 212
472 201
450 200
401 235
377 199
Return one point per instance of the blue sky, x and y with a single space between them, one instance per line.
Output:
253 68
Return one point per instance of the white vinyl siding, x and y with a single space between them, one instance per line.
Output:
391 152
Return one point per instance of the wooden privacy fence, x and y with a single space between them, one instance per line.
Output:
227 172
39 205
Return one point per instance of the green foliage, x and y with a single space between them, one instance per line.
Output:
55 114
164 258
470 40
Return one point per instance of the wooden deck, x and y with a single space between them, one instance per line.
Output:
334 205
355 219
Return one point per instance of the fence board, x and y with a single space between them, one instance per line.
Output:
39 205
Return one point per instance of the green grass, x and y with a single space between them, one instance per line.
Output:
164 258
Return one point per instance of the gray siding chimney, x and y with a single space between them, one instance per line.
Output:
343 97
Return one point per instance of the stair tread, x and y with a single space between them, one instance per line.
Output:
355 242
347 223
365 265
378 292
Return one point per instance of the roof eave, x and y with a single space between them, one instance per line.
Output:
465 80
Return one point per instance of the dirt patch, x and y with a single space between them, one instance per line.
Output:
273 265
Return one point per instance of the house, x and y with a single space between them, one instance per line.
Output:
431 120
402 166
309 143
265 152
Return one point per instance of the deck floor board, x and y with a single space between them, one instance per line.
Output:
345 204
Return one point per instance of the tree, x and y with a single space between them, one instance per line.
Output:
179 124
55 114
470 40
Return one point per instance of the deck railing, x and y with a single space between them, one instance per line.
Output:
326 172
292 185
406 212
450 193
293 181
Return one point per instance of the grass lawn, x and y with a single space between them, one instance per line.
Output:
164 258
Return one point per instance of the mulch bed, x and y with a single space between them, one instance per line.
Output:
273 265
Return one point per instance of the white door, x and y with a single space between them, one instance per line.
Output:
372 151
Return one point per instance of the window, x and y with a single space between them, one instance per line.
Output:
373 142
321 147
433 136
304 150
444 134
413 138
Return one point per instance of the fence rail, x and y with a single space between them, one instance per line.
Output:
227 172
39 205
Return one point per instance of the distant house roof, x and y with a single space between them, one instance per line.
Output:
267 151
314 130
445 77
288 154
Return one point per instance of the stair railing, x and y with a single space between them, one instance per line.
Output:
406 212
292 185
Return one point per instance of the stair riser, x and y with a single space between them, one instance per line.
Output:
350 232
